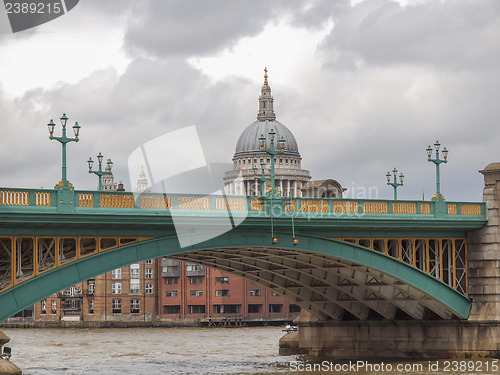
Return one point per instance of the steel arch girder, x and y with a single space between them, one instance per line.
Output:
31 291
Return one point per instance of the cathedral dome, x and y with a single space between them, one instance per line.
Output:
266 121
249 139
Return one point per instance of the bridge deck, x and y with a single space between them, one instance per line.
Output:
42 231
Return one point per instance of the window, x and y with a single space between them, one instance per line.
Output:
116 288
255 292
135 286
117 306
149 261
273 293
171 280
116 274
254 309
197 309
135 271
275 308
171 293
54 307
135 306
91 306
171 269
294 308
222 280
222 292
148 273
149 288
91 285
227 309
44 306
172 309
193 267
196 293
195 280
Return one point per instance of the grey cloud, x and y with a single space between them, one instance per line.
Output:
117 115
456 34
199 27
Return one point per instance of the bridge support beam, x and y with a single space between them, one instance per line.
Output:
403 339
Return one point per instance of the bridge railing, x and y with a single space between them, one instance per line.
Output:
27 197
251 204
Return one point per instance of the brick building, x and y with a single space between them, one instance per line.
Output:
195 293
127 294
161 291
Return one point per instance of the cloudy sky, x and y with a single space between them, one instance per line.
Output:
365 86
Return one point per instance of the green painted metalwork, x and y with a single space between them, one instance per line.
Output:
437 161
64 140
25 294
100 172
395 184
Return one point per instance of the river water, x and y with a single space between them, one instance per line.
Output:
194 351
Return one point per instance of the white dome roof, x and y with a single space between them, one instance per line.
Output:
249 139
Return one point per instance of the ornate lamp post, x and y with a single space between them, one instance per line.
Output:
262 179
273 195
272 152
395 184
100 172
64 140
437 161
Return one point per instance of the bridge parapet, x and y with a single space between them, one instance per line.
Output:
44 199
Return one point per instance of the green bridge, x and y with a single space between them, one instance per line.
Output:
351 259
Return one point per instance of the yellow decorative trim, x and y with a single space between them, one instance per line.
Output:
346 206
194 203
222 203
256 204
14 198
314 206
404 208
376 207
61 183
452 209
85 200
117 201
425 208
471 209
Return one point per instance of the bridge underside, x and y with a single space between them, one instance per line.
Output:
332 279
329 287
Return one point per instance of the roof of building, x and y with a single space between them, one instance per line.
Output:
248 141
319 183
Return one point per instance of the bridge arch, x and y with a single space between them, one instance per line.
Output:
322 275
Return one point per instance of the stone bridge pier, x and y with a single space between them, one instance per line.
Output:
478 336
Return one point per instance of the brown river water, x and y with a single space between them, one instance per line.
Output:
194 351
